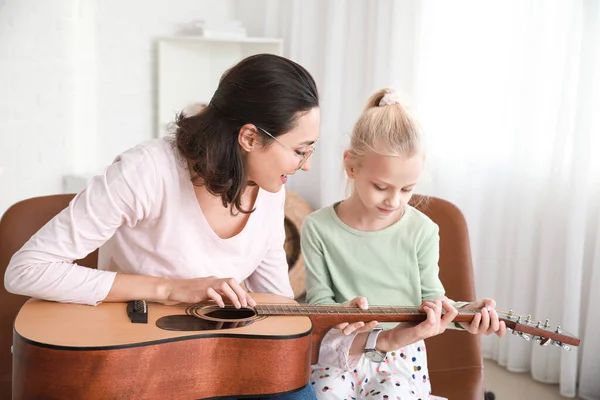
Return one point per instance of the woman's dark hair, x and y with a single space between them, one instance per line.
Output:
266 90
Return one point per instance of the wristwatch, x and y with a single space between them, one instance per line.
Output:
371 352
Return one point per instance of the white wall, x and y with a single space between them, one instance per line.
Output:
253 14
35 97
77 84
127 60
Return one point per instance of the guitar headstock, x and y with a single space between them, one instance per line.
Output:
538 331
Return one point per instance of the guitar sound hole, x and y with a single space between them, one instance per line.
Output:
192 323
231 313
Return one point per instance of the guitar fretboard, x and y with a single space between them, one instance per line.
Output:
305 309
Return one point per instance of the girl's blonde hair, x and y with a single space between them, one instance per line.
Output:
385 127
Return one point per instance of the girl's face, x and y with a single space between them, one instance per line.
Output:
269 166
383 185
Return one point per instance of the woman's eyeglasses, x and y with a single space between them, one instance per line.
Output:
305 155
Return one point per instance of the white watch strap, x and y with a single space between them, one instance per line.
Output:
372 339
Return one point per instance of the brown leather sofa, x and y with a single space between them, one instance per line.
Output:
17 225
455 363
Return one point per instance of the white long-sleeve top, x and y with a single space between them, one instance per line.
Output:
143 214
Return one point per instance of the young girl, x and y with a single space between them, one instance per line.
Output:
188 217
374 244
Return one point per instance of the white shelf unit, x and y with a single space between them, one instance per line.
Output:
189 68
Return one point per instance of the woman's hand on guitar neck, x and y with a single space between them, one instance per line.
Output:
486 321
172 291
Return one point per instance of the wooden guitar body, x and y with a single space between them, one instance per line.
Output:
68 351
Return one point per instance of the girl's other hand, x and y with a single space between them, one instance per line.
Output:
486 321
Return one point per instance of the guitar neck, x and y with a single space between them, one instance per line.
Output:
339 313
332 314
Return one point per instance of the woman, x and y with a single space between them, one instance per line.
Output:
192 215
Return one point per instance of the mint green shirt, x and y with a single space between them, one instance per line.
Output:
396 266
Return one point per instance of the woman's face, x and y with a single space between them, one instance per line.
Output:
269 166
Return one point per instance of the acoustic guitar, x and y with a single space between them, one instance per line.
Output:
142 350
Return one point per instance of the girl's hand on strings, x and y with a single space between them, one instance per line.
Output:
357 327
408 333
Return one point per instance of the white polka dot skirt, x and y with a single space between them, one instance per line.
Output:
402 375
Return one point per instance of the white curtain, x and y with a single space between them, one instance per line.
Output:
508 94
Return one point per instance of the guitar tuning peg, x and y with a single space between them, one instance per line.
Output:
515 332
510 313
558 329
557 343
526 336
542 341
546 324
566 347
538 325
528 320
545 342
